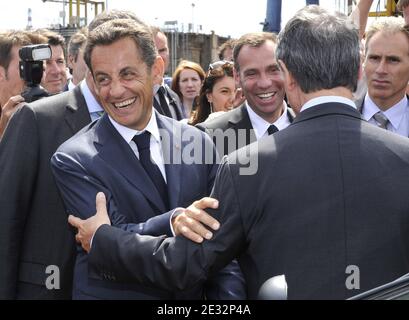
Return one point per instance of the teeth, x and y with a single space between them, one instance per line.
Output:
266 95
125 103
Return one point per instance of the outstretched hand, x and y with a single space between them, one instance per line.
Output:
192 223
87 228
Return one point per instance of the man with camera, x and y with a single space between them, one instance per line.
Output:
11 85
32 266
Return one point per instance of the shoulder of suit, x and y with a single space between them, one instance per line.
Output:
222 121
81 143
54 104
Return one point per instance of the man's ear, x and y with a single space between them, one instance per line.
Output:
158 70
289 81
360 72
209 97
70 61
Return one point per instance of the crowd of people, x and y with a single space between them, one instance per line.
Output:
287 156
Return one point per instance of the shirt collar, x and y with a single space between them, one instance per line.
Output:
157 86
394 114
260 125
71 85
92 103
128 133
327 99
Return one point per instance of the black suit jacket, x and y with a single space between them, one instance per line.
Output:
34 232
233 130
174 102
348 206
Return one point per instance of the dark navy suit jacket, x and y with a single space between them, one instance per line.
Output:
99 159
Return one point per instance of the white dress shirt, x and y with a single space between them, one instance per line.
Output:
260 125
398 115
155 145
155 148
94 108
327 99
71 85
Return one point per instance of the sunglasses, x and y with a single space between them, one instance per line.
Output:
220 63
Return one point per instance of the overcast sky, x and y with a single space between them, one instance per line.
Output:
225 17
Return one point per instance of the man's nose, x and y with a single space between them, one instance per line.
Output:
116 89
264 81
382 67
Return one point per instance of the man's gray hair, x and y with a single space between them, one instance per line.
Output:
114 30
320 50
76 42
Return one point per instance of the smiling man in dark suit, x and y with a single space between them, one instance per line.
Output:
137 157
264 112
329 196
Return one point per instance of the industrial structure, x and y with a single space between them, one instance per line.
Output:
272 22
189 43
78 11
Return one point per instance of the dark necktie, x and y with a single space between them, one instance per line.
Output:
143 143
272 129
162 105
381 120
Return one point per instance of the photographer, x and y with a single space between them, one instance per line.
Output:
11 85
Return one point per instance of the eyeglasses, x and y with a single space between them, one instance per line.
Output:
220 63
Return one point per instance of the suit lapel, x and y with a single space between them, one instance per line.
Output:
171 136
76 115
173 102
241 120
114 150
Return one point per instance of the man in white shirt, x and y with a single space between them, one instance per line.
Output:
134 156
386 69
264 112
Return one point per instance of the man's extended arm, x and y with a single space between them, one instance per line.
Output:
171 263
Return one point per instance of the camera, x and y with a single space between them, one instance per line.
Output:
31 70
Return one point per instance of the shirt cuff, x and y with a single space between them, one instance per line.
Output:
175 213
